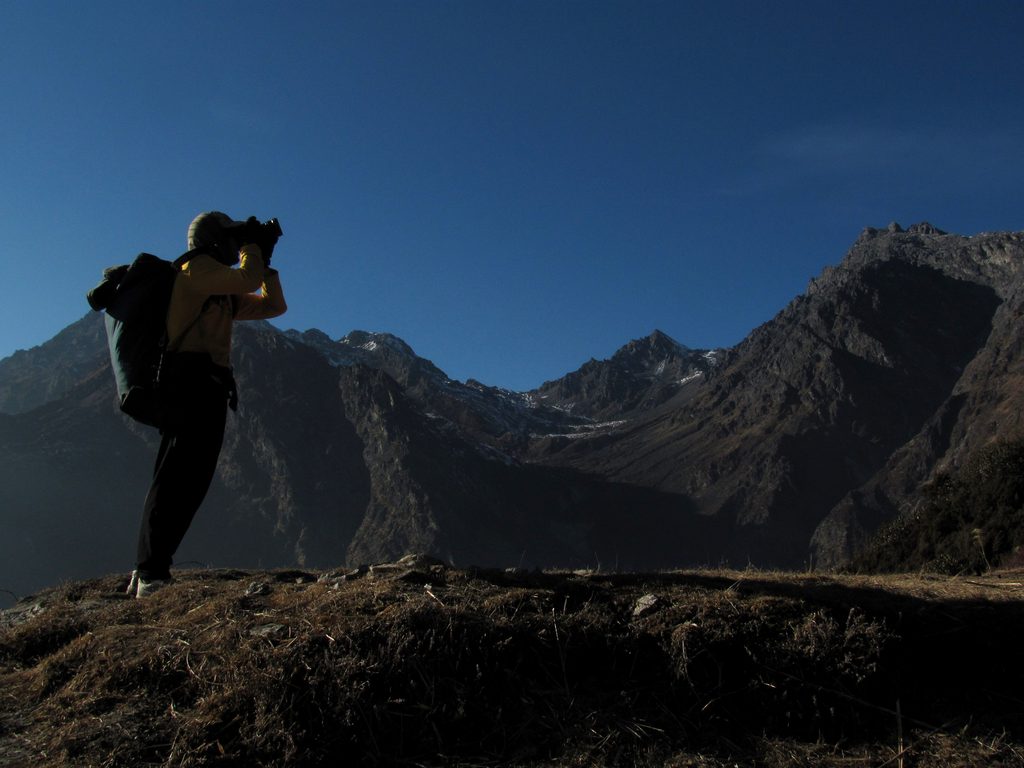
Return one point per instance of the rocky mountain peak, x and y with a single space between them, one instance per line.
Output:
894 228
658 345
315 336
380 351
373 342
641 375
924 228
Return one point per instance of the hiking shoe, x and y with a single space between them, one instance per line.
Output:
133 584
146 588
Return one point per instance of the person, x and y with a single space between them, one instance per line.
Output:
209 295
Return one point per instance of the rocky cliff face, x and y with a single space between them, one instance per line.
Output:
790 448
825 421
984 403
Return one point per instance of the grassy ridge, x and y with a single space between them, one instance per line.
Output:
418 664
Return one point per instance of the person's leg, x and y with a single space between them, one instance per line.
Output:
185 465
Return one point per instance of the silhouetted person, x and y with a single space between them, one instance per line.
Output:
210 293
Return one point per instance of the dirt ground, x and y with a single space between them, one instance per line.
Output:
418 664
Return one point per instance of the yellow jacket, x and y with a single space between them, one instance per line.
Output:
203 277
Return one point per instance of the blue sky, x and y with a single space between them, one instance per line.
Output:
512 187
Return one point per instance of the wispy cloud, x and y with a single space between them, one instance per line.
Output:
844 149
843 155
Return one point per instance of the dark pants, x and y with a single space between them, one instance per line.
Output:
185 466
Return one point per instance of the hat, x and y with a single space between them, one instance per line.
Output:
207 229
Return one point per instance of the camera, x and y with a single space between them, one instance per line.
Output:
273 228
263 233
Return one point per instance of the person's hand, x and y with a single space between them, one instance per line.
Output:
259 234
267 248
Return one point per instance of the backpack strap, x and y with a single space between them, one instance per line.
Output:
188 256
178 263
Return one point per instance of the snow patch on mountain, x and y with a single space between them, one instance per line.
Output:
584 431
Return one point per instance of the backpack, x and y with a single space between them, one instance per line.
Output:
136 297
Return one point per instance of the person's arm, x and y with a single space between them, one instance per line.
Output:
268 303
219 280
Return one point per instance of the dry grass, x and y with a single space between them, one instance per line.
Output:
424 665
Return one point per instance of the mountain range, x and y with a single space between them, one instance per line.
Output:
788 450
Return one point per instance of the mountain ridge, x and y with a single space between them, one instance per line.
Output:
786 450
851 343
